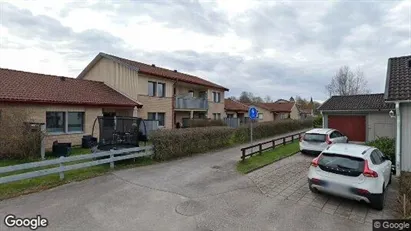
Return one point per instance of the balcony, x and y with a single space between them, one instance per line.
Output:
191 103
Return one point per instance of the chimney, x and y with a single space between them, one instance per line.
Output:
153 65
63 78
175 70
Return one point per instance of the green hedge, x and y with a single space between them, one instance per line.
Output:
176 143
318 122
385 145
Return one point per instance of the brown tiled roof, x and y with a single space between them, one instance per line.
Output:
367 102
398 83
20 86
232 105
277 107
156 71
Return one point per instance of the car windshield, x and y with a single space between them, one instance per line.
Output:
314 137
341 164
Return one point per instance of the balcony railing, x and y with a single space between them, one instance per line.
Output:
188 102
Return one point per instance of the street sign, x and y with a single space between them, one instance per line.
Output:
252 112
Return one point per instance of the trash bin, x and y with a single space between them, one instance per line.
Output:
61 149
88 141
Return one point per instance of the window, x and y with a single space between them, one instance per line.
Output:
152 88
230 116
151 116
216 97
260 116
161 90
341 164
75 122
283 116
191 93
55 121
314 137
160 116
334 135
217 116
375 158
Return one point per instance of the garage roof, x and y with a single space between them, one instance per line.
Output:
366 102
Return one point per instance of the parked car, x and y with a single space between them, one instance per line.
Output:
318 139
352 171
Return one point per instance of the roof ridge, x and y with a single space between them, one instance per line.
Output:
162 68
49 75
358 95
400 57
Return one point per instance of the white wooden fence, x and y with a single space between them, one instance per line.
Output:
112 156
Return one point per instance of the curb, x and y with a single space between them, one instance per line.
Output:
262 166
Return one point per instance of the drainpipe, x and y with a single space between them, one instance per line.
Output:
398 140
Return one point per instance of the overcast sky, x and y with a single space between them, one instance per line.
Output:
275 48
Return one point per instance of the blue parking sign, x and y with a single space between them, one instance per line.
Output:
252 112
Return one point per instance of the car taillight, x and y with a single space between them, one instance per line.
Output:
367 171
327 140
362 191
302 138
314 162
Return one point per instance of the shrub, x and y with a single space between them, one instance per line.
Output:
192 123
18 140
385 145
184 142
318 122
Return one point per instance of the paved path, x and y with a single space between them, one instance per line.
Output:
203 192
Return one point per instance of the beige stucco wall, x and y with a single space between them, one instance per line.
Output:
156 104
37 113
143 85
267 115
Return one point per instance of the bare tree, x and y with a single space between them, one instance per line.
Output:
246 97
232 98
267 99
348 82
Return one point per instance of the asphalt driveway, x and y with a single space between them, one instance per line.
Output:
202 192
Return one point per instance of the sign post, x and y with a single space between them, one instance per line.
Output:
252 114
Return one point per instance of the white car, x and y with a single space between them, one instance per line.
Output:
318 139
352 171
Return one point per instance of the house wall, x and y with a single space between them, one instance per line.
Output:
215 107
267 115
38 115
115 75
405 136
294 114
379 125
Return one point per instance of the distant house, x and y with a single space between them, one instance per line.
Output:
398 94
235 109
67 106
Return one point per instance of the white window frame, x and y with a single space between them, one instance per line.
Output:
66 131
260 116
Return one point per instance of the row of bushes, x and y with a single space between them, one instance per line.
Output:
175 143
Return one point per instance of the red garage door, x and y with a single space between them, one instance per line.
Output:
351 126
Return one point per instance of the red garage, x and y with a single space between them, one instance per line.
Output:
360 117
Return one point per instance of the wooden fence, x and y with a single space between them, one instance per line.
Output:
259 148
57 165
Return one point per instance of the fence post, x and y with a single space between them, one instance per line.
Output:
61 166
299 136
243 154
292 138
273 143
284 141
42 148
111 159
260 148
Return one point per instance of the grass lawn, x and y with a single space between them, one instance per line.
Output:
22 187
267 157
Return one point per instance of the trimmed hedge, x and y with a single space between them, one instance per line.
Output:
385 145
176 143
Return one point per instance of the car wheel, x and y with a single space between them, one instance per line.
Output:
314 190
378 202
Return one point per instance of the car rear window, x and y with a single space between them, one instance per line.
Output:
314 137
341 164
